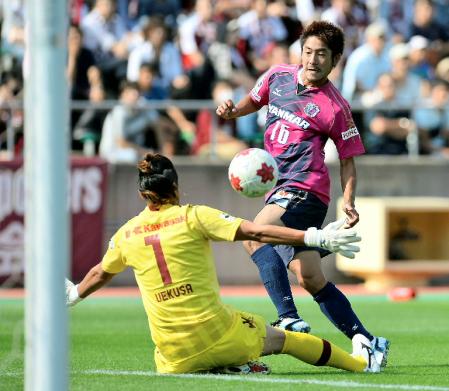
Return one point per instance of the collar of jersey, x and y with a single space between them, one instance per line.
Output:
163 207
299 80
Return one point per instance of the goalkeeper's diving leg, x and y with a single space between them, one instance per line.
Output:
319 352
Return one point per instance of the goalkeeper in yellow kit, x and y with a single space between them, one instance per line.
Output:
167 245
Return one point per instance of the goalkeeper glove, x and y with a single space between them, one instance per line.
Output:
334 239
71 293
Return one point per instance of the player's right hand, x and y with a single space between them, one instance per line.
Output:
226 110
334 239
71 293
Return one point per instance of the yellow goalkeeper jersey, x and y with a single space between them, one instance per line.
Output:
170 253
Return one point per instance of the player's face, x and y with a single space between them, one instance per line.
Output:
316 58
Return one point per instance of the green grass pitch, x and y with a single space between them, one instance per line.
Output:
111 348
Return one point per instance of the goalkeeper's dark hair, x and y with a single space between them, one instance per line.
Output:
158 180
327 32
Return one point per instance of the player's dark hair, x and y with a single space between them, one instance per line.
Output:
158 180
327 32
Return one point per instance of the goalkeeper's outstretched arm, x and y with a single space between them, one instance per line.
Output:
332 237
94 280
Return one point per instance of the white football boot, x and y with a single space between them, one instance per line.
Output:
381 347
298 325
362 347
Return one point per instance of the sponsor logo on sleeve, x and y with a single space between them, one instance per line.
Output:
351 132
227 217
311 109
256 89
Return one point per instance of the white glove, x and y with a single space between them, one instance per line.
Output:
71 293
334 239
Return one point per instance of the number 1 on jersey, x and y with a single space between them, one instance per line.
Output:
155 242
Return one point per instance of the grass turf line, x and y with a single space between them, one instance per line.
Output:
112 335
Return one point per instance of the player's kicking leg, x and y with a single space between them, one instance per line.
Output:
333 303
274 275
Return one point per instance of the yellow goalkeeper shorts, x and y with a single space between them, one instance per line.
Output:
242 343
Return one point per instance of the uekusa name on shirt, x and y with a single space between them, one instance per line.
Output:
288 116
171 293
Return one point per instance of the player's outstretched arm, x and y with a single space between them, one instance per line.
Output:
348 177
227 109
332 237
94 280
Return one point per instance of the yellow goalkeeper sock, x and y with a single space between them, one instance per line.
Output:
317 351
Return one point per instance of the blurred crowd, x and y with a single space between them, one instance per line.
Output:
395 71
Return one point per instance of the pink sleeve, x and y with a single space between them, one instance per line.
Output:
345 134
261 92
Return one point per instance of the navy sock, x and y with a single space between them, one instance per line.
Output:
337 308
274 276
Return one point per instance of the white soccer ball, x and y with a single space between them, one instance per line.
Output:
253 172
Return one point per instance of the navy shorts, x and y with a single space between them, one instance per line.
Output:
302 210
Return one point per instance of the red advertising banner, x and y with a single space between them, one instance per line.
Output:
88 181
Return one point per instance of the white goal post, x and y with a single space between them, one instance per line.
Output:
46 201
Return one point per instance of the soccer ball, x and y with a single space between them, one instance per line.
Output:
253 172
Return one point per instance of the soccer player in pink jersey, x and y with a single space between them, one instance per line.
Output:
304 111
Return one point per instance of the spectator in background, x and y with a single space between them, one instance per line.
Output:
87 130
388 128
408 86
351 17
285 11
305 11
161 53
105 34
196 83
173 117
196 33
79 65
227 59
12 32
275 53
129 130
442 69
168 10
213 132
128 10
425 24
432 120
366 63
441 13
147 87
77 10
259 30
418 56
11 120
398 14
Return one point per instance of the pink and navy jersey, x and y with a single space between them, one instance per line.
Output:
298 124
